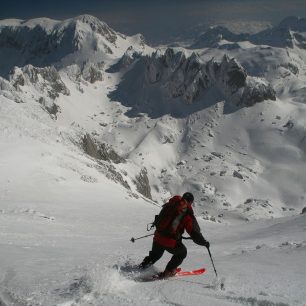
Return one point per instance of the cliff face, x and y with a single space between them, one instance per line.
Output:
186 77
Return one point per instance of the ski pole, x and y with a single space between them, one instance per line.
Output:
133 239
212 261
222 283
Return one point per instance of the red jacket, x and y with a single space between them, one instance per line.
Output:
188 223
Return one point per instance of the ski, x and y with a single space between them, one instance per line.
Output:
179 273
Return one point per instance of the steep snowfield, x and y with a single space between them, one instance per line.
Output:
63 238
66 216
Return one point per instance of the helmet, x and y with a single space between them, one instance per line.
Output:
188 196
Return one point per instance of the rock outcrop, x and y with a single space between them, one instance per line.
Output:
46 80
186 77
142 183
125 61
100 151
9 91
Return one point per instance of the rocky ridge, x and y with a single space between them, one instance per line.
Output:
180 76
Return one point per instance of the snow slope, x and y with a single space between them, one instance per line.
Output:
95 136
63 238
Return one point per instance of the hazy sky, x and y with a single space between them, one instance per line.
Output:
159 20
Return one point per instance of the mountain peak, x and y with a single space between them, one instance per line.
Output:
214 35
293 23
278 36
92 21
87 18
43 41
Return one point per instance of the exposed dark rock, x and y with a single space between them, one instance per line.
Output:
92 73
100 151
217 154
51 108
304 210
289 124
186 77
142 183
291 67
256 92
88 179
128 58
19 81
9 91
46 80
112 174
237 174
173 59
168 139
257 202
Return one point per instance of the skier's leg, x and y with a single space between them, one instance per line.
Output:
179 254
154 255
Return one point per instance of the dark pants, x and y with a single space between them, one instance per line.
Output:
179 254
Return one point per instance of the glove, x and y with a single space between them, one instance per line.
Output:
206 244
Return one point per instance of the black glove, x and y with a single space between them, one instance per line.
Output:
206 244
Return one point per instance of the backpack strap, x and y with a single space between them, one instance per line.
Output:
170 229
182 212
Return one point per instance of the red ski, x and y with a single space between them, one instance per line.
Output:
179 272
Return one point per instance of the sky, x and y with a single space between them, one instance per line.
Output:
162 20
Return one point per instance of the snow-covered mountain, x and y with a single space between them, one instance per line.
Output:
291 31
43 42
164 98
98 129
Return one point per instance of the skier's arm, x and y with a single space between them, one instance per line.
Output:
193 229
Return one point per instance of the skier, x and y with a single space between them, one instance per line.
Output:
175 217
